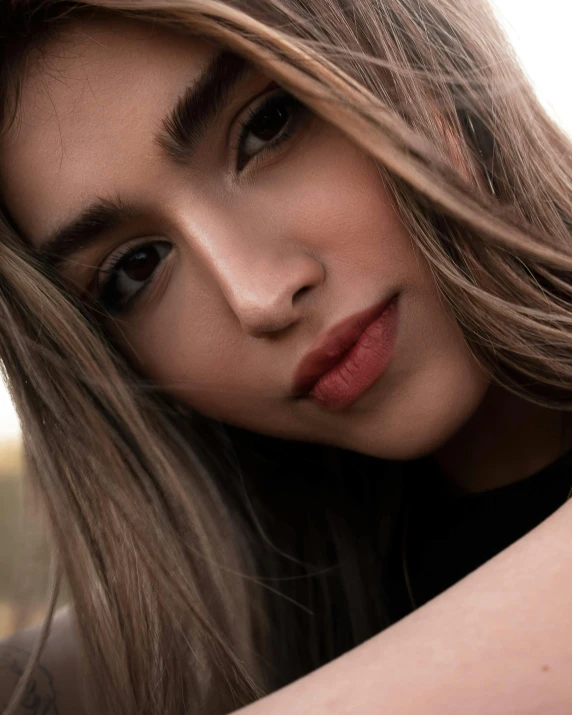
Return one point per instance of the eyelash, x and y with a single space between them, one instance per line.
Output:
106 289
280 97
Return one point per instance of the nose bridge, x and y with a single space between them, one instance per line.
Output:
262 273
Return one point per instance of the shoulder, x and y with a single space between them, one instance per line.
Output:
56 684
498 641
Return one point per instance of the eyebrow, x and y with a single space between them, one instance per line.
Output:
102 216
182 130
179 136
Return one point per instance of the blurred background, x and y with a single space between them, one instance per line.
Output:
540 35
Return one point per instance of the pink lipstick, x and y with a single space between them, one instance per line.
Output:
350 358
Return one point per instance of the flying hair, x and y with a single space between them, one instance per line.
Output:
208 566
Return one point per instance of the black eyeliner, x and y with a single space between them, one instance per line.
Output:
109 284
280 98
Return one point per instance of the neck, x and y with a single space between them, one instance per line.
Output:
505 440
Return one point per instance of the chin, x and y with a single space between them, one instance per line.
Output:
415 423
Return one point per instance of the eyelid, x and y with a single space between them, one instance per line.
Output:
112 258
138 299
257 100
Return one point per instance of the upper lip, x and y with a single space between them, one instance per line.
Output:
330 348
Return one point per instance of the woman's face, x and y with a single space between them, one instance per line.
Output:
224 257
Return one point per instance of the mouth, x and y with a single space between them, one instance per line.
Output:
349 358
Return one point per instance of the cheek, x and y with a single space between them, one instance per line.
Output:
190 345
335 202
329 200
186 346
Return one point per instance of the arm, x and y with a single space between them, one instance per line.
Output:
498 642
54 687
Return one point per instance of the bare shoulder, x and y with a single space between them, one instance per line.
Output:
499 641
56 685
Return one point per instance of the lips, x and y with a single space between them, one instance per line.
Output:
333 347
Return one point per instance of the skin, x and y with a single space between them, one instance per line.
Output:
263 260
261 265
56 687
497 642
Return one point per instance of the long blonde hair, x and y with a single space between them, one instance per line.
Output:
208 566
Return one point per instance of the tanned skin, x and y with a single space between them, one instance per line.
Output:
57 683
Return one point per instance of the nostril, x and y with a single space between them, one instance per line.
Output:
300 293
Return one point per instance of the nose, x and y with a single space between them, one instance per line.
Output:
266 292
264 274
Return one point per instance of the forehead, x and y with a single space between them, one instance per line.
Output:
92 100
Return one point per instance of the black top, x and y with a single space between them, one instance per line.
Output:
449 534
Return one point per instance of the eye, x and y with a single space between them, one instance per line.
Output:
268 125
124 275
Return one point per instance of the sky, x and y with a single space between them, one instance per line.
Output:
541 39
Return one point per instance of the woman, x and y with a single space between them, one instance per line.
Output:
278 280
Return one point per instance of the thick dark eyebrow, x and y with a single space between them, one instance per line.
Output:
103 216
180 133
182 130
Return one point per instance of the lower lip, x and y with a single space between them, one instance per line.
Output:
362 365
